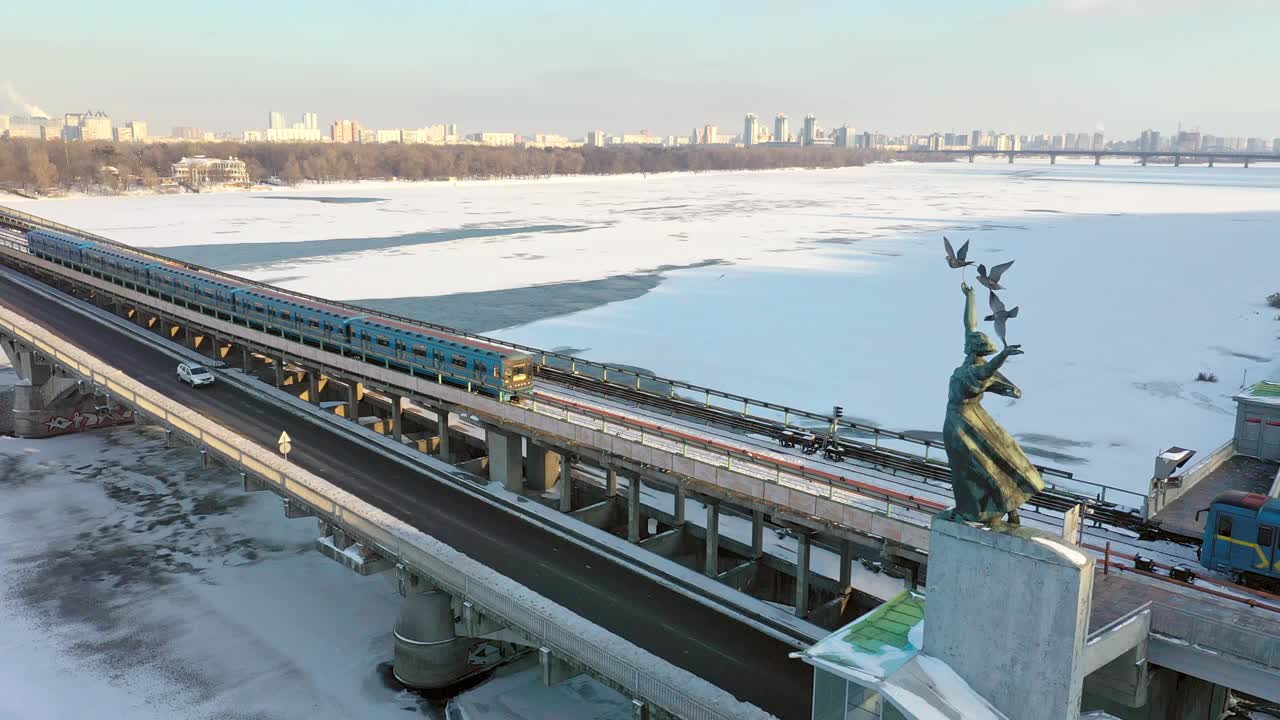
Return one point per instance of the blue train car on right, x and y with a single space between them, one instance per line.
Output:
1241 534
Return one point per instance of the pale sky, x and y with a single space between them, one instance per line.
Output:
569 66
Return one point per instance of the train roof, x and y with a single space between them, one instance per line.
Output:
1239 498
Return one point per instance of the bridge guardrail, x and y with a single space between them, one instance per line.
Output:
347 511
1098 490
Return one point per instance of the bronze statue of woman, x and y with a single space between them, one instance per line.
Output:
990 473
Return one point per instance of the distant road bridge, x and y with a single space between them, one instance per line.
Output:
1176 158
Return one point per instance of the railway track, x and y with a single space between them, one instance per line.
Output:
843 448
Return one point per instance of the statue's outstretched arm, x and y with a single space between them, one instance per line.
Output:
970 308
988 370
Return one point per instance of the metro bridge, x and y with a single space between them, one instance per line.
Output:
602 439
1174 157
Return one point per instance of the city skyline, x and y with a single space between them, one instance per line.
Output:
566 67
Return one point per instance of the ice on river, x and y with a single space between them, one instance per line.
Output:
830 286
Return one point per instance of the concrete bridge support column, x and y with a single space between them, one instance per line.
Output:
428 654
1144 161
313 386
971 157
442 429
1210 162
277 363
566 485
1177 161
355 393
757 534
1053 159
611 482
802 574
542 469
633 510
1097 159
47 401
846 564
505 458
678 509
397 416
1010 158
712 566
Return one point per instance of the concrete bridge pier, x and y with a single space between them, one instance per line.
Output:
566 485
506 461
1211 159
47 401
971 157
1177 161
757 534
1097 160
1053 159
1144 161
428 653
442 436
635 533
712 566
802 573
542 467
1010 158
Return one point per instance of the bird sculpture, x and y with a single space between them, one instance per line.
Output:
956 259
999 316
991 281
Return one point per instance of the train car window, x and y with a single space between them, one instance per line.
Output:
1224 525
285 316
459 361
438 356
419 351
313 323
481 367
257 307
383 341
1266 534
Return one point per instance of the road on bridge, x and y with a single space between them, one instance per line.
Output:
732 655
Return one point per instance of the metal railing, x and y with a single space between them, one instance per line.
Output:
353 515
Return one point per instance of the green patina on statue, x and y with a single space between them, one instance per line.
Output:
990 473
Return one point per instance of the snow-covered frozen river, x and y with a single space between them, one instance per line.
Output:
810 288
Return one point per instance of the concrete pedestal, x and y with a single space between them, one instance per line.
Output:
427 653
1008 610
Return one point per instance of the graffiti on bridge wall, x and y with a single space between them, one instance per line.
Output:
88 414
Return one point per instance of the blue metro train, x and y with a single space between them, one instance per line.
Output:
1240 538
464 362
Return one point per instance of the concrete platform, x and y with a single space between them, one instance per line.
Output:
1239 472
1212 638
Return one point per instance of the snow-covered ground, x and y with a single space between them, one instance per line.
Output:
829 286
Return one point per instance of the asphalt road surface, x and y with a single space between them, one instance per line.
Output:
734 656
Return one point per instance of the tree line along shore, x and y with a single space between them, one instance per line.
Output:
41 167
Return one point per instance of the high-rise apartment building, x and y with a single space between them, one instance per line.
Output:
1099 141
186 132
310 121
122 134
781 133
345 131
810 133
595 138
750 128
138 128
4 125
845 137
276 121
